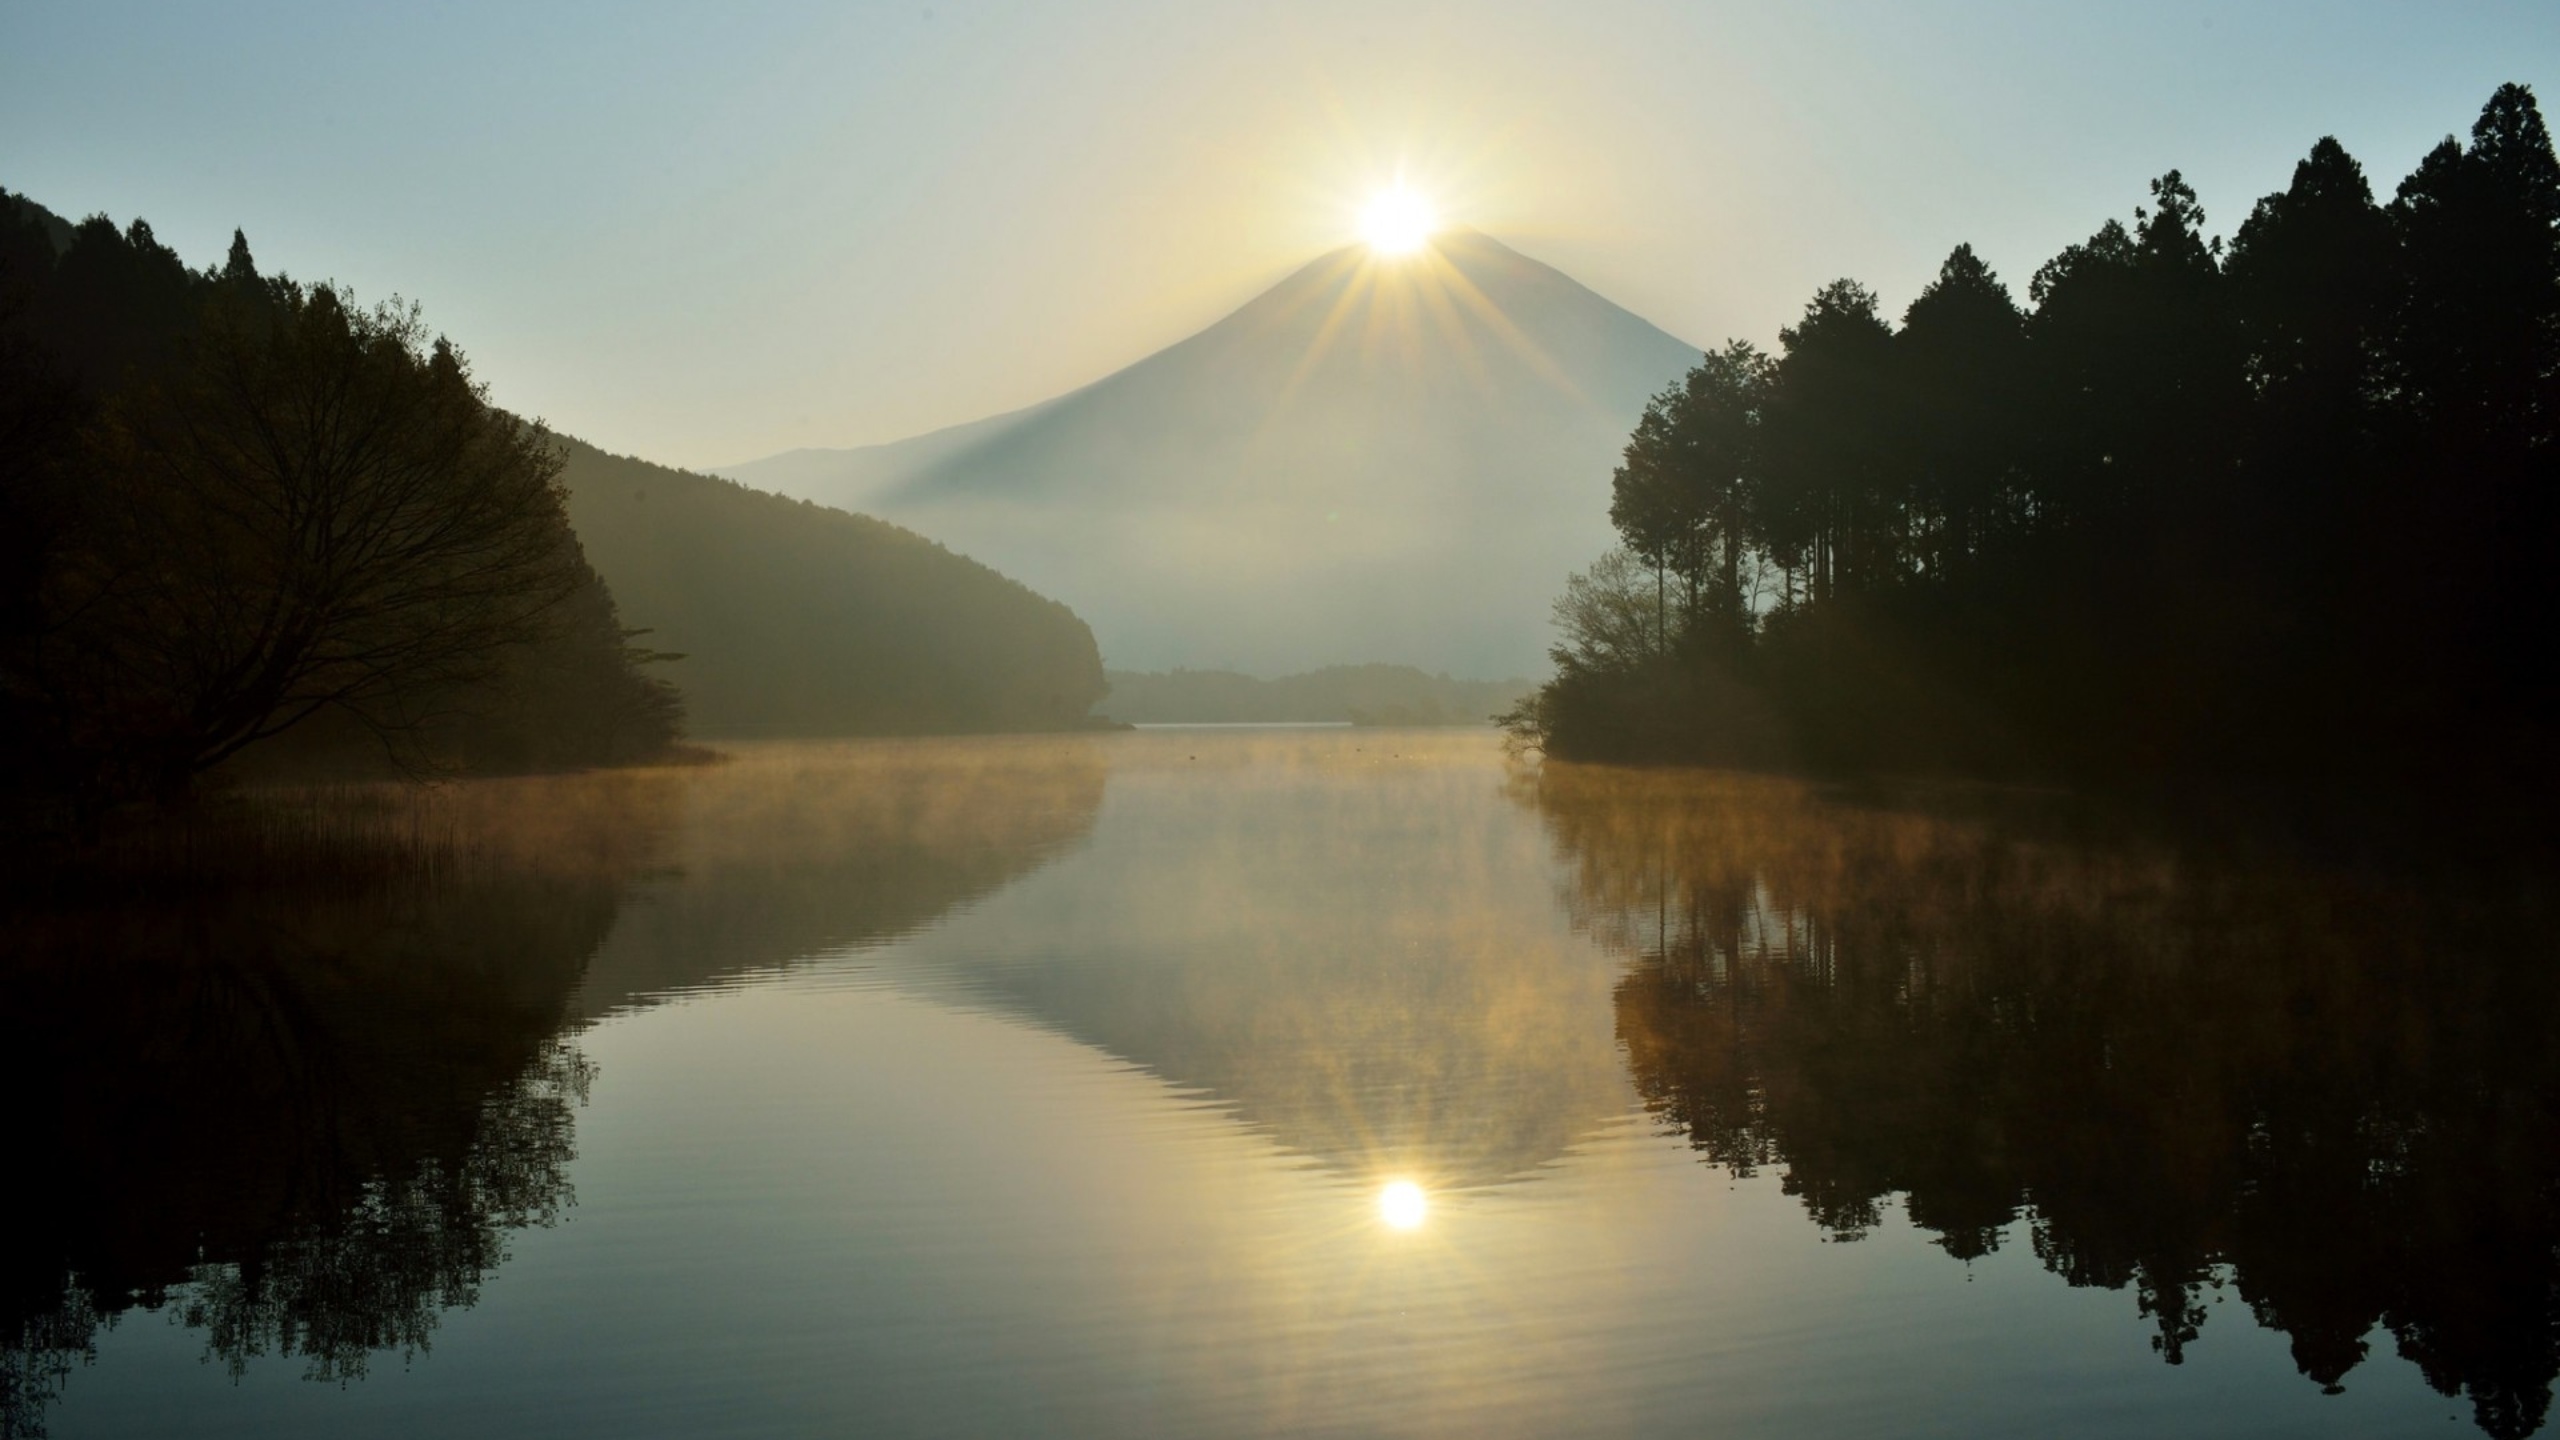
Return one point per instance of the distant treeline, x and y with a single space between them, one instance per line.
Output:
796 619
2282 509
1361 694
240 512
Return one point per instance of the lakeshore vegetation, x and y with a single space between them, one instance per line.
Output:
2278 510
249 526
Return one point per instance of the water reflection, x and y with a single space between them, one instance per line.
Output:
2335 1096
302 1117
1362 1150
1345 940
795 849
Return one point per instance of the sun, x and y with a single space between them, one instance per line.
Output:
1403 1205
1397 221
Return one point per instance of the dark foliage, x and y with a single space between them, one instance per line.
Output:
2281 511
2196 1075
236 506
302 1114
292 1068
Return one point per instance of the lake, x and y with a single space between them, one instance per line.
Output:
1321 1082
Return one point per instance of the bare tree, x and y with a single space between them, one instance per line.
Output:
318 509
1607 614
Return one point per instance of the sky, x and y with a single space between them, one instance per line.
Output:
704 234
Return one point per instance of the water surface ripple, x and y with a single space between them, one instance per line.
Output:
1314 1082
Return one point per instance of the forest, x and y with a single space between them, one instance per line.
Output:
243 513
249 526
2277 510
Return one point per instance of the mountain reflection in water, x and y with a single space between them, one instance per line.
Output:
302 1117
1248 1082
789 850
2334 1095
1336 938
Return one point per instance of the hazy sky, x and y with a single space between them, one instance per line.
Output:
706 233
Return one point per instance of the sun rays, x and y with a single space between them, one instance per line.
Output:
1385 306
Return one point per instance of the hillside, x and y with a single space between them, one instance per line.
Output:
1373 460
168 603
798 619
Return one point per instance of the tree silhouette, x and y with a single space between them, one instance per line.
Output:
1678 497
1961 346
236 504
319 511
1825 502
2279 513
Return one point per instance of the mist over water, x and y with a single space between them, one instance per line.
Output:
1428 858
1234 1082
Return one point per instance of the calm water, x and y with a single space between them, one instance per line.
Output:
1306 1082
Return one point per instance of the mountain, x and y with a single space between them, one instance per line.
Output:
1374 460
794 619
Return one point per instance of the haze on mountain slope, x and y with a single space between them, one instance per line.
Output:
1374 460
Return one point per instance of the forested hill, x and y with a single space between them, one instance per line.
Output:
792 619
245 520
798 619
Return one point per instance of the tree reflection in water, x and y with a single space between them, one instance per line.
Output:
303 1117
302 1114
2187 1072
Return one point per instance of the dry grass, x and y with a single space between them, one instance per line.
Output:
346 836
320 837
